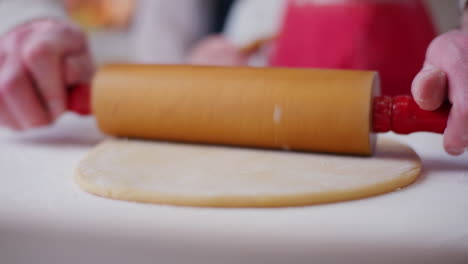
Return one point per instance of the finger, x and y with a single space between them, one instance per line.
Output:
220 44
20 98
64 38
219 55
429 87
6 119
456 134
45 67
79 68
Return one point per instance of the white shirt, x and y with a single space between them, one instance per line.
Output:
163 30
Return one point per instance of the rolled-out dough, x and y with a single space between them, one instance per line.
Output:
216 176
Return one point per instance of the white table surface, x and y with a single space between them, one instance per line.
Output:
46 218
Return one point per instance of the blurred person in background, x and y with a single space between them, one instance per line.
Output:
417 46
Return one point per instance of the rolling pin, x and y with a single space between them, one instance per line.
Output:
336 111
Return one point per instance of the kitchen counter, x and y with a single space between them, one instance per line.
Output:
46 218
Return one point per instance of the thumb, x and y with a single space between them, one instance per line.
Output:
429 87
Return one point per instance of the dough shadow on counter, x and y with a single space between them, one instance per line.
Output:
438 165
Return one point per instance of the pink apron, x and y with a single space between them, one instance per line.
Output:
391 38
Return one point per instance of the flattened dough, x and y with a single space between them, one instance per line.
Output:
201 175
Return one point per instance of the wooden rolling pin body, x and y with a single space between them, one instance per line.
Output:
298 109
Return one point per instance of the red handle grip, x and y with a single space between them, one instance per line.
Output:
402 115
79 99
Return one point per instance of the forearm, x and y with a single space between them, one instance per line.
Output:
16 12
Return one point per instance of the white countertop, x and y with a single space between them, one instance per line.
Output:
46 218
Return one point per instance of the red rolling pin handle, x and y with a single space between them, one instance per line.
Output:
79 99
402 115
399 114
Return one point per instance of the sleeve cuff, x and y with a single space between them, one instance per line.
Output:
14 13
